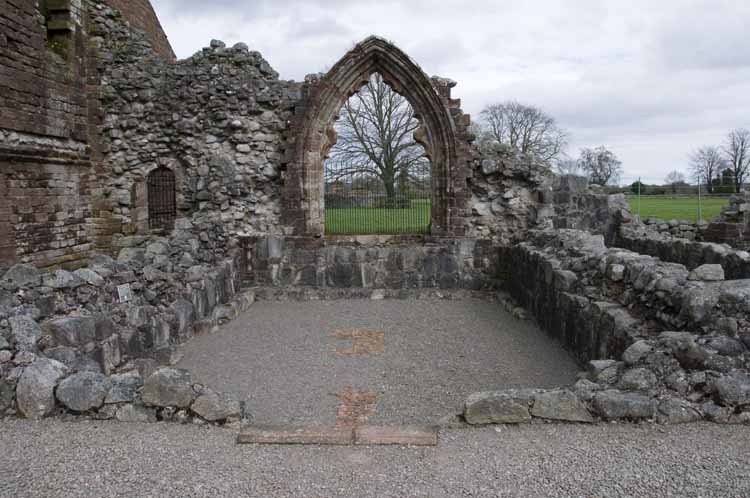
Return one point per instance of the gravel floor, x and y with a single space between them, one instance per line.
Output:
108 459
281 356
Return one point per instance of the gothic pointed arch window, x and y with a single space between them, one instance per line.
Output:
443 132
162 198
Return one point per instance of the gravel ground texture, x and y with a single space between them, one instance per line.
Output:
423 357
54 458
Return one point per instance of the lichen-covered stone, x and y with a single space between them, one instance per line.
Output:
26 332
124 387
732 389
501 407
613 404
560 405
83 391
35 392
213 406
168 387
21 275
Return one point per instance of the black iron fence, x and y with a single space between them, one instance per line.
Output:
363 202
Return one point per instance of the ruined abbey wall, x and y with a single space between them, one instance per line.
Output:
50 109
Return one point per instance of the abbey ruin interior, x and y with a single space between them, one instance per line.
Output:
145 201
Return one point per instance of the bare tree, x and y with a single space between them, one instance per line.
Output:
524 130
601 165
737 150
707 163
674 179
375 140
568 166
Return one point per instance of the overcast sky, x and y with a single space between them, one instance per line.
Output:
651 80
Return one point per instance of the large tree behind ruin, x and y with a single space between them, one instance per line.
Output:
524 129
375 138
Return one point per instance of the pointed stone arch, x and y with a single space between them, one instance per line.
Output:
443 133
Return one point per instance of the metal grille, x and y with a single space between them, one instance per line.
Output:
162 202
363 204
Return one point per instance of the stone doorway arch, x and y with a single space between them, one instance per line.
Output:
443 133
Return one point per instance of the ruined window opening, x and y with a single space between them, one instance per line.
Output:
59 23
377 177
162 199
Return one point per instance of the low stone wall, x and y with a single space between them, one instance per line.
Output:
660 342
373 262
684 229
110 316
692 254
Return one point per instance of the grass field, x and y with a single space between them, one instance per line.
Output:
371 221
677 208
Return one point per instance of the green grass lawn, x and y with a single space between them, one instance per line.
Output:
677 208
371 221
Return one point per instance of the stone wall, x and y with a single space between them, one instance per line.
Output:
216 120
44 135
140 14
109 316
660 342
639 238
375 263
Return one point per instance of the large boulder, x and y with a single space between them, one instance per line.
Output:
168 387
637 351
213 406
501 407
560 405
677 411
124 387
709 273
90 277
35 392
21 276
83 391
72 330
613 404
26 332
732 389
637 379
63 279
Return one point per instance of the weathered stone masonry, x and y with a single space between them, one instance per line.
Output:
84 125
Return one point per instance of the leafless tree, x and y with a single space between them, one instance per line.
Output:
674 179
568 166
707 163
737 151
375 140
524 129
601 165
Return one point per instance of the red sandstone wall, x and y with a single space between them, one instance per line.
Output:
40 93
140 14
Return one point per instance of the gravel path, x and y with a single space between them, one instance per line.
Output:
107 459
430 356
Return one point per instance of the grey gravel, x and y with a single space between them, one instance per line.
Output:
279 356
53 458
